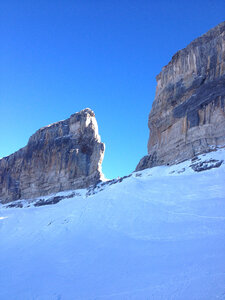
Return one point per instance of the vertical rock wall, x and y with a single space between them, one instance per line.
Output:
62 156
188 115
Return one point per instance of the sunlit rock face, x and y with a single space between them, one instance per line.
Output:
62 156
188 116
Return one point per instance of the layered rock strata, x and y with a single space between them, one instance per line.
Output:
187 116
62 156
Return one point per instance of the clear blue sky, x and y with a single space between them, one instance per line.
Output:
58 57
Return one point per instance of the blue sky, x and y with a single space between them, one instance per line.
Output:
58 57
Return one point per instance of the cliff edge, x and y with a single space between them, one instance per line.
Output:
187 116
62 156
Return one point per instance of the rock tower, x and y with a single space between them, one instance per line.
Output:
61 156
188 115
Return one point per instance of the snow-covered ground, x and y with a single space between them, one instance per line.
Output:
158 234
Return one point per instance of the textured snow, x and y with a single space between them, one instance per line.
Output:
159 234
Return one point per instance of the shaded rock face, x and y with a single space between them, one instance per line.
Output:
62 156
188 116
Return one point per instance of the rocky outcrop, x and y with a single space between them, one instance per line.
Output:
62 156
188 116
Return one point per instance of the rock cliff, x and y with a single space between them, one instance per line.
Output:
62 156
187 116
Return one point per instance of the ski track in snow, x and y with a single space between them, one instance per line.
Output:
197 216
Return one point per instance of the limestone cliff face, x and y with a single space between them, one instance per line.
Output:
62 156
188 116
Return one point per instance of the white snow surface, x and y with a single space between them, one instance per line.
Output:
159 234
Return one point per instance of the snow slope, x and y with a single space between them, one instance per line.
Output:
158 234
